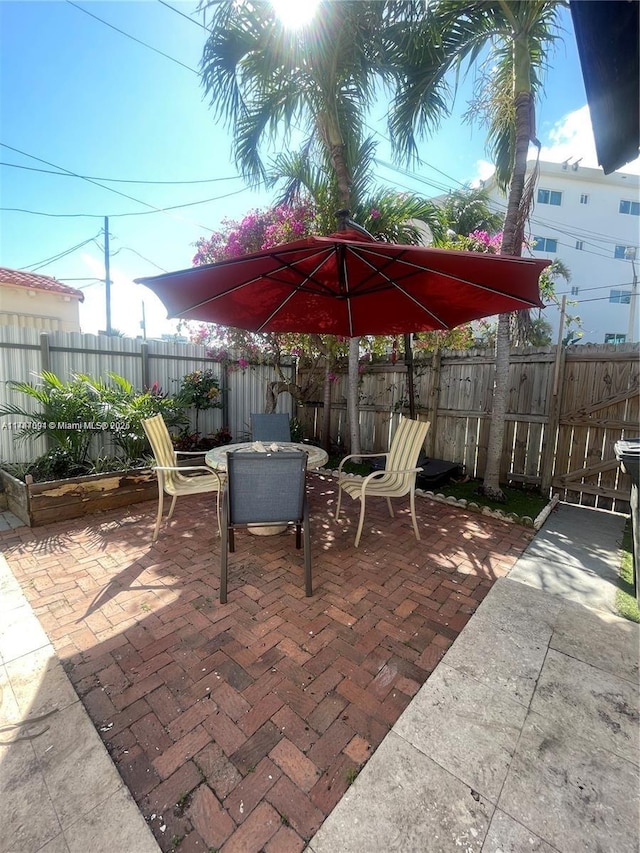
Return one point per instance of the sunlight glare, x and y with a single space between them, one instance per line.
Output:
295 13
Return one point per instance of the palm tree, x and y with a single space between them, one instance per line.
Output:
518 35
466 210
264 79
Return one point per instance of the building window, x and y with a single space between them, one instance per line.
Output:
575 290
615 338
622 297
584 198
550 197
630 207
620 252
579 245
544 244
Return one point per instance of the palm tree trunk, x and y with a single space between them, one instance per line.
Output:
511 245
343 178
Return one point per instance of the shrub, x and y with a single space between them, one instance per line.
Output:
69 414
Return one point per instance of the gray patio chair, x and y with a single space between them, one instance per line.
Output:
272 427
266 489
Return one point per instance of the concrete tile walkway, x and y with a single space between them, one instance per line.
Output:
60 791
240 727
526 736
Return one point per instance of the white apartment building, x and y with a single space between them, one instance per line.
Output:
591 222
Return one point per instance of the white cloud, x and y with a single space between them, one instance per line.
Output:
571 138
484 170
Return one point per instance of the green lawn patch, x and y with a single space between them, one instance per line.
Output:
522 502
626 603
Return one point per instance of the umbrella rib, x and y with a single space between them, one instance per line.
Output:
284 266
527 302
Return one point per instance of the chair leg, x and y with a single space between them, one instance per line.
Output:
218 513
224 556
298 536
159 513
173 506
390 508
361 522
413 514
339 500
308 584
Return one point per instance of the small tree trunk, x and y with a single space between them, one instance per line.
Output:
326 407
353 413
491 484
276 388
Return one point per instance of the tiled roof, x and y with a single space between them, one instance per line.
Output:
33 281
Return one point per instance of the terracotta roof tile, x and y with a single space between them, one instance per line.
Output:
33 281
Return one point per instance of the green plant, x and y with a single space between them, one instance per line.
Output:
351 775
194 441
125 408
200 389
626 602
69 414
65 413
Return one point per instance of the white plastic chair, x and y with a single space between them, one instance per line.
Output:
397 479
171 476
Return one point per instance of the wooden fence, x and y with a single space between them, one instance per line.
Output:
566 409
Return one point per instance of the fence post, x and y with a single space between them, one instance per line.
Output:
146 373
547 462
434 402
45 352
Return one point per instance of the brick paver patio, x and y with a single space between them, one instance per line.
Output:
239 727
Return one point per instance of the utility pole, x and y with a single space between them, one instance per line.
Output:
630 253
107 273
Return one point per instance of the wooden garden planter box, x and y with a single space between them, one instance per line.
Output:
58 500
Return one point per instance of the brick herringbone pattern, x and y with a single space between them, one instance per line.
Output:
239 727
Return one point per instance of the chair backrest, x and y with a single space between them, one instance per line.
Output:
272 427
161 445
266 487
407 444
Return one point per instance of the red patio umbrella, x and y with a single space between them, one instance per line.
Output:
346 284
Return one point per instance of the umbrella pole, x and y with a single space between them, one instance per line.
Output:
408 360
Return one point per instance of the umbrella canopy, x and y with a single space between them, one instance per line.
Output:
348 285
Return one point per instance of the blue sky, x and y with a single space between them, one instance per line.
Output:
82 96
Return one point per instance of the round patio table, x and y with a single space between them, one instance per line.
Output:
217 459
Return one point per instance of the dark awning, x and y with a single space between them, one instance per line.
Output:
608 46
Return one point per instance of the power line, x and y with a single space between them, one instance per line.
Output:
153 208
182 15
134 213
39 264
88 180
135 252
120 180
133 38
